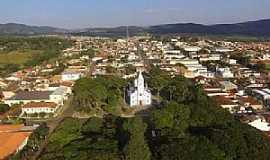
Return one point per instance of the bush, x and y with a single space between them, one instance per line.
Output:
4 108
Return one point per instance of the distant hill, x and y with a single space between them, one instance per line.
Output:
252 28
259 28
22 29
116 31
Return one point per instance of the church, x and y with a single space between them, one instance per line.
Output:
139 94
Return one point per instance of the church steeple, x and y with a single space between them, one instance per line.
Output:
140 77
140 83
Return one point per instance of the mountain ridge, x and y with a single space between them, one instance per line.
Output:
249 28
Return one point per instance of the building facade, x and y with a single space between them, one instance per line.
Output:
39 107
139 94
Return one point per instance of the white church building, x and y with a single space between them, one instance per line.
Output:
139 94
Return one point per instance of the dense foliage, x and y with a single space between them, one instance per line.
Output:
190 126
10 44
102 94
110 138
4 108
187 125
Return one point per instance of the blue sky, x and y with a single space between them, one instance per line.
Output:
100 13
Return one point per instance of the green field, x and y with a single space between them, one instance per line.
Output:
17 57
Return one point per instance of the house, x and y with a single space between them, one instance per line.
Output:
192 49
261 94
225 102
225 72
232 61
13 139
39 107
29 96
228 86
250 102
53 87
3 84
222 50
261 124
215 92
58 96
139 94
70 76
132 56
7 94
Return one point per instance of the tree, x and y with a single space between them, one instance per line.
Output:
92 126
88 94
89 52
4 108
99 94
130 69
172 119
240 141
191 148
136 147
33 144
180 90
111 70
157 80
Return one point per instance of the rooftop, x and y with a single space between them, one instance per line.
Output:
221 100
40 105
10 142
33 95
12 137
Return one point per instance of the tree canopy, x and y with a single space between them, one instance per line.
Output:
102 94
187 125
111 138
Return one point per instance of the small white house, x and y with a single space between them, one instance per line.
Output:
192 49
260 124
71 76
59 95
225 72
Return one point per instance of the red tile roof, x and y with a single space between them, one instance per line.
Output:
10 142
10 128
40 105
221 100
249 100
11 137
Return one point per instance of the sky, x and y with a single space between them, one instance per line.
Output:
74 14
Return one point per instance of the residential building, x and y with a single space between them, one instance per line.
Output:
58 96
261 124
39 107
70 76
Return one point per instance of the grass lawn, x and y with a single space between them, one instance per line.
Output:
17 57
